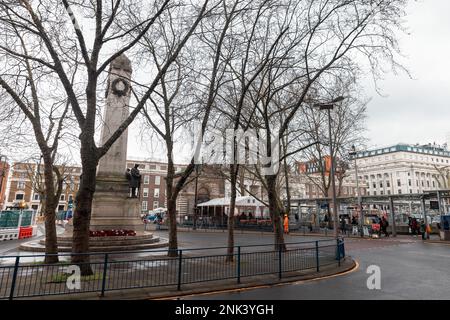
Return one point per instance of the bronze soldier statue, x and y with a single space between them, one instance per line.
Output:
134 179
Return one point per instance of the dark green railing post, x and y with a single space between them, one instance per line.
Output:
180 262
14 278
317 257
105 267
239 265
279 262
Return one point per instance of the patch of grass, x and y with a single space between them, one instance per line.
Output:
62 277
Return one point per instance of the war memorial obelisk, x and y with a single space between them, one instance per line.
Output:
112 207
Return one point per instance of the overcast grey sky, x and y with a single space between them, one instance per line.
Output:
410 110
416 111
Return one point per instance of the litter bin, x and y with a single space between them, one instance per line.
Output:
445 228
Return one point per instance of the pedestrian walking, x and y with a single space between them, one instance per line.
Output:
414 226
384 225
343 225
423 229
410 225
286 224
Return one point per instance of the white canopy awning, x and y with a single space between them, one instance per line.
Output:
260 209
246 201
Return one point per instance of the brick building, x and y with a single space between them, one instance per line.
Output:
310 177
25 186
210 185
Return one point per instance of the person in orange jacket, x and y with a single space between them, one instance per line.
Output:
286 224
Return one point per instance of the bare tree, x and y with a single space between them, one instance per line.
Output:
186 93
443 176
47 125
53 26
323 43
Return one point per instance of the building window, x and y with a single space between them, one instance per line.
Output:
388 184
35 207
381 192
374 185
144 206
20 196
410 190
70 198
399 191
381 184
428 183
155 204
146 179
157 180
409 182
399 183
389 192
61 207
156 193
36 197
20 184
145 192
62 197
434 185
374 193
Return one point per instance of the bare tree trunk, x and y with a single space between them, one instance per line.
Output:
51 202
82 215
286 177
171 203
230 227
275 212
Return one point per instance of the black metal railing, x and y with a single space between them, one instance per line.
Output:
20 278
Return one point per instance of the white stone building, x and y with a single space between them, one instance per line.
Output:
403 168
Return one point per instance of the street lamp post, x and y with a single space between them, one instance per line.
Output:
329 107
353 153
194 224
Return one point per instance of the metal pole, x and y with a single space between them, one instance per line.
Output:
14 278
391 204
279 262
180 263
333 183
105 267
439 203
239 265
194 227
361 218
317 257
